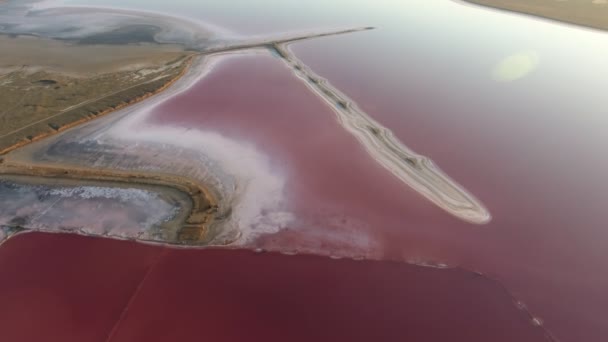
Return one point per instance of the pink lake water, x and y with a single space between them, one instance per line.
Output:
526 140
347 205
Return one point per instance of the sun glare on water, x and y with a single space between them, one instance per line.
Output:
515 66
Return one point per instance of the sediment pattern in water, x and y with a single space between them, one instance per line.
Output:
103 209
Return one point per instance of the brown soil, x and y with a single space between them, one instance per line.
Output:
52 94
590 13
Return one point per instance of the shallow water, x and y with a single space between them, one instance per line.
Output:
85 208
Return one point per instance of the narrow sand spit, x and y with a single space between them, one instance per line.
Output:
417 171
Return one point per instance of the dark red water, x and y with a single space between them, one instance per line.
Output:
88 289
67 288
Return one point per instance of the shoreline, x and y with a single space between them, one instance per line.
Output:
185 67
538 13
199 218
200 215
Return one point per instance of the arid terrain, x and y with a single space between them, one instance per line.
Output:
591 13
47 85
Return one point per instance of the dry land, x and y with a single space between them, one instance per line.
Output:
200 208
47 86
590 13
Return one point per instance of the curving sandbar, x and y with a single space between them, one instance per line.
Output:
419 172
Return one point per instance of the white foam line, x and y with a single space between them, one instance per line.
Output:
243 175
